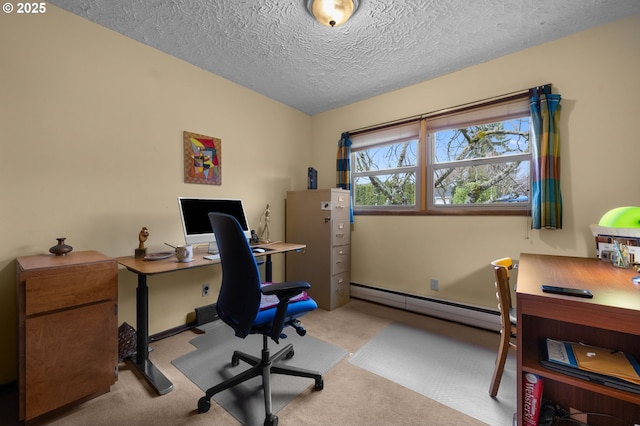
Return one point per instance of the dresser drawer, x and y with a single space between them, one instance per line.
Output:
63 288
340 260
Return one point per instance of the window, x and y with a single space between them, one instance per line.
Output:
385 167
473 160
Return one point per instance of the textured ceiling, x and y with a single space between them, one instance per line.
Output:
276 48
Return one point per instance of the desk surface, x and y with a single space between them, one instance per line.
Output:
614 294
610 285
154 267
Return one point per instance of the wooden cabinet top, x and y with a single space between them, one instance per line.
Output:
48 261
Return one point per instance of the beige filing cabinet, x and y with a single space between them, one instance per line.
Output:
67 329
319 218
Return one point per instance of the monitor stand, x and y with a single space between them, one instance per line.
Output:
213 248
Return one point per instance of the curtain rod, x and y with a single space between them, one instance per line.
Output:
458 108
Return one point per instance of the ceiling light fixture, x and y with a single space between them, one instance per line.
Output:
332 13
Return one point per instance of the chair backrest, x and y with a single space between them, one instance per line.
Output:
503 294
505 262
239 297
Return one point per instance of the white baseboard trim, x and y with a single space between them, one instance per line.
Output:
475 316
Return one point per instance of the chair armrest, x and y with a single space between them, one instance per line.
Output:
285 290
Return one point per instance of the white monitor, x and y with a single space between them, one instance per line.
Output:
194 213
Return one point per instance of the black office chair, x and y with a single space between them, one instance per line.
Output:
239 306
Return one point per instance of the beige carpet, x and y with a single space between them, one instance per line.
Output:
447 370
351 395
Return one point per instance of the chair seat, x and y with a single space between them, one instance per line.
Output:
294 310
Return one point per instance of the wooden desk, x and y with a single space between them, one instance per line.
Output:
144 268
610 320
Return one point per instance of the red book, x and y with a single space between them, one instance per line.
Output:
532 398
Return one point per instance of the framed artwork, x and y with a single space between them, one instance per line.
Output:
202 159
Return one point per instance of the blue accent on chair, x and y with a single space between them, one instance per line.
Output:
239 307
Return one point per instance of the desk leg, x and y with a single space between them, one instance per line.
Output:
268 269
143 364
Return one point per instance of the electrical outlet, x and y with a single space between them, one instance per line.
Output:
205 290
434 284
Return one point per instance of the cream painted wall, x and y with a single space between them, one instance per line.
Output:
91 126
596 72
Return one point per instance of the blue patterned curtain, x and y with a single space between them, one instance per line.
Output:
546 198
343 168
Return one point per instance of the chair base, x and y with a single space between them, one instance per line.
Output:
264 366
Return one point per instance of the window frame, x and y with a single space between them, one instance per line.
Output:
388 135
494 110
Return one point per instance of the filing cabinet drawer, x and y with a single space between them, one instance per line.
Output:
341 260
341 205
341 232
340 289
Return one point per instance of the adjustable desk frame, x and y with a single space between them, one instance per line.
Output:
144 268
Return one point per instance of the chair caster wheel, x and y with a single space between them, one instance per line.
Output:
290 354
204 404
235 361
271 420
319 384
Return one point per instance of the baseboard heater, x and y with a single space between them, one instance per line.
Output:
475 316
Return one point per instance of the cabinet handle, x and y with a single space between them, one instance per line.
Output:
327 219
339 207
339 234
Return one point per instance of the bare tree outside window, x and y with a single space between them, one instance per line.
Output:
484 166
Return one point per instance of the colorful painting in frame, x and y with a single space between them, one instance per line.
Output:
202 159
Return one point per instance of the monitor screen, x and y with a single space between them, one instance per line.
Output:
194 213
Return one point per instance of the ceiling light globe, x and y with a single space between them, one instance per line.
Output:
332 13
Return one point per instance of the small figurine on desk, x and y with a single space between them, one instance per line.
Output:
266 217
141 251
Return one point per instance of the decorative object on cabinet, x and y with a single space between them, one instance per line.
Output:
61 248
67 329
320 219
202 159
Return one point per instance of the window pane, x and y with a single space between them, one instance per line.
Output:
482 184
396 189
482 141
386 157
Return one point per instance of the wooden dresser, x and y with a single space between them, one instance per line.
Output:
320 219
67 329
